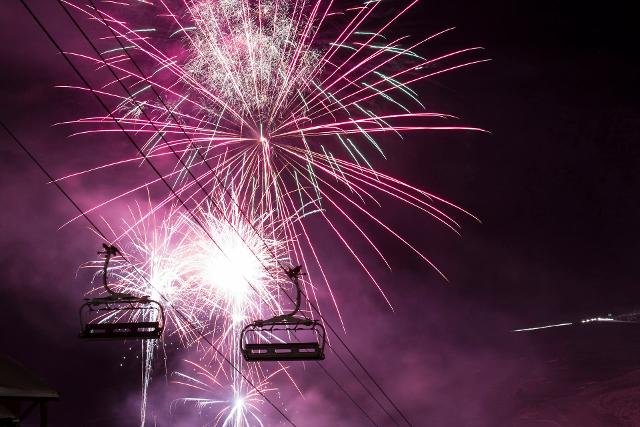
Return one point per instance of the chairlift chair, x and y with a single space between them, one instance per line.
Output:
113 317
256 339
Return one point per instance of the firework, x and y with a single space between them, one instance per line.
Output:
258 114
283 101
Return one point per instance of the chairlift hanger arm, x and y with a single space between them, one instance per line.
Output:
109 252
294 274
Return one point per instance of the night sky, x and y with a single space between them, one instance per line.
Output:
555 184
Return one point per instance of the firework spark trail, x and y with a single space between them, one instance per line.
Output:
243 408
263 113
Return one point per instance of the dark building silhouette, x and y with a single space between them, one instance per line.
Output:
22 393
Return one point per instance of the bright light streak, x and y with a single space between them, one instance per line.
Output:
543 327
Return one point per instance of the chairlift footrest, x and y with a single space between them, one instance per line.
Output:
282 352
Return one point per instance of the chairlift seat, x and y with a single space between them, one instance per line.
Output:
256 339
117 319
255 351
119 315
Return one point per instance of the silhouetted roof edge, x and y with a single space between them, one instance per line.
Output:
16 381
5 414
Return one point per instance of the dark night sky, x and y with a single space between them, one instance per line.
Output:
555 184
